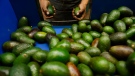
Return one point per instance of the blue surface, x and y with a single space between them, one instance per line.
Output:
12 10
8 21
26 8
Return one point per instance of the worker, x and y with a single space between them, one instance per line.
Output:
64 9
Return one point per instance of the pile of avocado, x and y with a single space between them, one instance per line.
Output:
98 47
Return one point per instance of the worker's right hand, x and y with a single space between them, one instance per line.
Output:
44 4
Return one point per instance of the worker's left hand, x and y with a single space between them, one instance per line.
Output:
82 11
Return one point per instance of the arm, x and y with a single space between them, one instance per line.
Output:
44 4
82 7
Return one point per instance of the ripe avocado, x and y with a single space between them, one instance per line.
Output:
125 11
59 69
25 29
34 68
20 70
119 26
96 25
113 16
130 62
76 47
103 18
41 24
5 70
20 48
9 45
118 38
51 10
23 21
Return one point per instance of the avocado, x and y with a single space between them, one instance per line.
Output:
83 42
82 27
118 38
25 29
69 39
95 42
103 18
53 42
49 36
96 25
93 51
122 69
63 44
48 29
68 31
30 51
41 24
76 35
32 32
74 59
34 68
128 21
108 29
20 48
86 21
7 58
85 70
50 10
120 51
112 69
76 11
73 70
76 47
9 45
125 11
40 56
87 37
113 16
131 43
132 25
95 34
22 58
20 70
5 70
74 27
119 26
2 74
99 65
130 62
59 69
104 43
26 39
16 34
62 36
58 54
130 32
40 37
109 57
88 28
23 21
84 57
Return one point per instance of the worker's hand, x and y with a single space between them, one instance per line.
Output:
81 12
44 4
